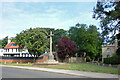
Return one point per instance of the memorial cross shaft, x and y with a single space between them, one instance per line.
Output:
51 42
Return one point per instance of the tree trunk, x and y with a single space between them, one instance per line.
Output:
34 58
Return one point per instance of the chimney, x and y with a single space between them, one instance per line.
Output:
9 40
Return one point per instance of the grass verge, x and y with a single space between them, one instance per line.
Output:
74 66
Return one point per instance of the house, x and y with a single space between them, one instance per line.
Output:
1 51
109 50
12 49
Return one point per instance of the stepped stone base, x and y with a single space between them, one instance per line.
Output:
50 62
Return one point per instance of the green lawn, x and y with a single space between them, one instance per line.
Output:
74 66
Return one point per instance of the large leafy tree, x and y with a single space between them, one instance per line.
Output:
35 40
4 41
78 35
94 41
87 39
66 48
109 15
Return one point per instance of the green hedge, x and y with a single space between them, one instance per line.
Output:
112 60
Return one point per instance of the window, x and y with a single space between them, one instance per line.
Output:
16 50
8 50
1 50
13 44
12 50
108 50
108 55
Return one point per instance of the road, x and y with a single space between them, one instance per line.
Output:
22 73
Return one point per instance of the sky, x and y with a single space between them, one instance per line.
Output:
18 16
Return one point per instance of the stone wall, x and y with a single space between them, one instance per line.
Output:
22 59
41 60
72 60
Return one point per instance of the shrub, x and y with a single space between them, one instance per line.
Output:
66 48
88 59
112 60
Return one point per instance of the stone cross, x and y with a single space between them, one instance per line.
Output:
51 56
51 42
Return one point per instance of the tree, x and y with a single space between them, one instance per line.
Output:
4 41
109 15
35 40
78 35
118 50
66 48
0 43
88 40
94 42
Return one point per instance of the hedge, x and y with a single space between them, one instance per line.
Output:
112 60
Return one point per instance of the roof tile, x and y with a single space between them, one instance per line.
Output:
8 46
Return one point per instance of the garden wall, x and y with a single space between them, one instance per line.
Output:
72 60
22 59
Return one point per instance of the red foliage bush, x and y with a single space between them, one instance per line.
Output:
66 47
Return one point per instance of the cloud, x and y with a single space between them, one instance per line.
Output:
49 0
21 16
16 19
82 18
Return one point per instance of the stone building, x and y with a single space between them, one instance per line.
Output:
109 50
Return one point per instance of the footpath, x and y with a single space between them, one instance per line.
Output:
69 72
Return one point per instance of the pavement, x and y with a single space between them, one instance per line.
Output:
70 72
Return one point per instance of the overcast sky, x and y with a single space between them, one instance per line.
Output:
18 16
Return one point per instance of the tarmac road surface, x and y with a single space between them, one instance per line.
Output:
9 73
23 73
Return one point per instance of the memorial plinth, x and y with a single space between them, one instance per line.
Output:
51 60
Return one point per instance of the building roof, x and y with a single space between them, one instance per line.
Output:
8 46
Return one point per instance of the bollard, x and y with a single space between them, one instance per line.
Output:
103 65
110 65
95 63
5 62
118 66
98 64
28 62
17 62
